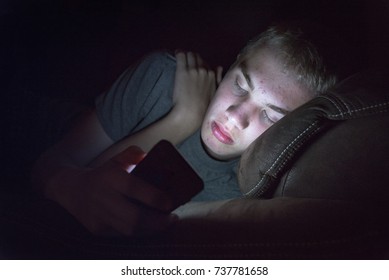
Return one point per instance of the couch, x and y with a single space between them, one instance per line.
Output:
314 186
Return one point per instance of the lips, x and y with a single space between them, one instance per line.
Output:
221 134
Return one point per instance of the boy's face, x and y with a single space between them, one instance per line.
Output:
254 94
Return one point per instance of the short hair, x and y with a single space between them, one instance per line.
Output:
297 53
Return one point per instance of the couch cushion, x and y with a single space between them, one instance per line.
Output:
335 146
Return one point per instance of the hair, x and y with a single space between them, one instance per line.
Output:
297 53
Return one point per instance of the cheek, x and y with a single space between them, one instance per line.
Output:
253 133
222 100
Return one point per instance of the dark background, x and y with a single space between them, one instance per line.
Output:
75 49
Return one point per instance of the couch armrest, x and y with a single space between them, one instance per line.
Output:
279 228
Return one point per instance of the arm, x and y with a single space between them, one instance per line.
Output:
100 194
100 198
193 88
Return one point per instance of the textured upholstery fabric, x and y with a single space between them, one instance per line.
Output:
280 228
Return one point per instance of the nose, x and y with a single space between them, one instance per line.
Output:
240 114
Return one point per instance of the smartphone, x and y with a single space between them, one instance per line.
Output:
165 168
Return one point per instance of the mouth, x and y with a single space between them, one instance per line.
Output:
221 134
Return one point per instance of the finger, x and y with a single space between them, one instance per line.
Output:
128 158
123 216
191 60
120 216
199 61
134 188
137 189
111 213
129 218
140 190
181 61
219 74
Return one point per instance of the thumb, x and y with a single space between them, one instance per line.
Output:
128 158
219 74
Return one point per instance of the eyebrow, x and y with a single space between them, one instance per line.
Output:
243 68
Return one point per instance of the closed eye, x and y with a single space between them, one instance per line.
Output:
267 119
238 89
277 109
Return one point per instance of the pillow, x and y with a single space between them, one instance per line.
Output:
335 146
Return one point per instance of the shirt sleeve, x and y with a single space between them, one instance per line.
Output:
140 96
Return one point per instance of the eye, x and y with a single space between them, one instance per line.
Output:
267 119
238 89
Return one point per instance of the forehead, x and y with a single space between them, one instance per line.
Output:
265 63
270 76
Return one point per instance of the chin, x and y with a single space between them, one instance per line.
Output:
216 149
220 154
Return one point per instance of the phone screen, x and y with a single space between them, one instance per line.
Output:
165 168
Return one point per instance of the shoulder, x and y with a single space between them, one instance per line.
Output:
162 58
151 68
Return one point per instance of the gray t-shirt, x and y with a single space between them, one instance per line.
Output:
141 96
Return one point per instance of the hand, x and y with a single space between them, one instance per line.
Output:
195 85
109 200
